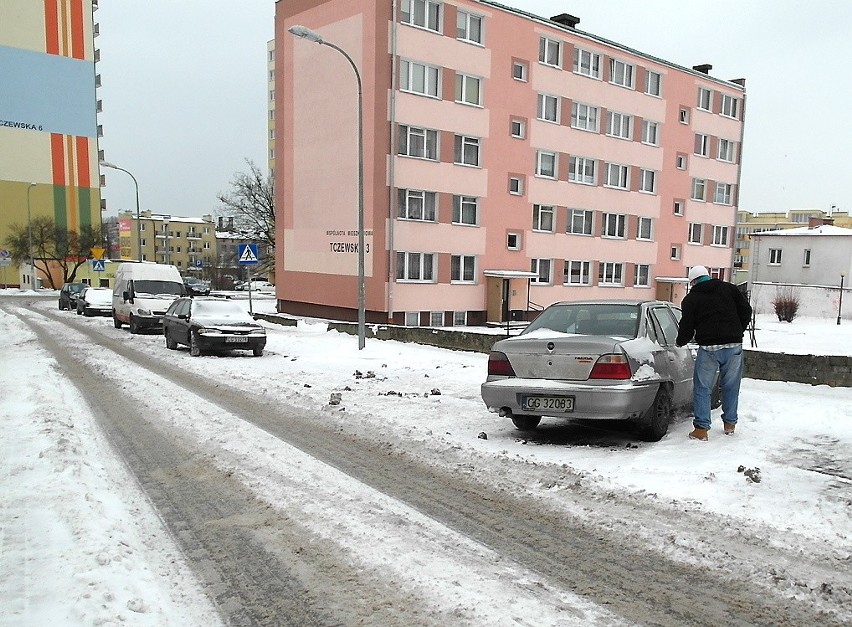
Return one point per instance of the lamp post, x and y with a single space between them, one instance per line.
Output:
30 239
107 164
307 34
840 304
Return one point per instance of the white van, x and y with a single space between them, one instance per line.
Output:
143 291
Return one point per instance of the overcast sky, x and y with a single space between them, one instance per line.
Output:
184 89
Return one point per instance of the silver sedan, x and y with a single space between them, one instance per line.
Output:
594 360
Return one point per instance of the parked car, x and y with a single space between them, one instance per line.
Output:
142 293
594 360
211 324
68 295
196 287
95 301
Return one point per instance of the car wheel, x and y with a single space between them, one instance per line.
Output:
115 321
257 352
526 423
79 313
658 416
170 343
60 306
134 325
194 349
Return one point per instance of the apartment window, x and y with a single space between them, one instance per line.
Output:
516 186
720 235
513 241
418 142
469 27
545 164
730 106
581 221
653 83
683 114
619 125
422 13
519 71
467 150
621 73
272 133
610 273
680 162
641 275
695 234
699 189
548 108
272 153
587 63
614 225
412 318
415 267
419 78
617 175
774 256
462 268
550 52
806 259
578 272
468 89
723 193
705 99
702 145
543 218
726 150
459 318
677 208
272 95
272 114
518 129
650 132
541 267
648 181
584 117
416 204
675 252
466 210
581 170
436 318
645 229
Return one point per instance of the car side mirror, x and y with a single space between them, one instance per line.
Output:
126 296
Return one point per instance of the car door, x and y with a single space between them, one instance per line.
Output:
675 363
182 320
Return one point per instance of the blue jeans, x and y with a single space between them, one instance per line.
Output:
729 363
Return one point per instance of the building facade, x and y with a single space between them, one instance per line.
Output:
187 243
509 161
48 115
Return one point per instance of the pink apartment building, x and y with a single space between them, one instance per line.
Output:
510 161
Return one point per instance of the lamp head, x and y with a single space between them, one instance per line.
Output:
107 164
303 32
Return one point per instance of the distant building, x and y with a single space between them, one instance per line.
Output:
510 161
228 241
188 243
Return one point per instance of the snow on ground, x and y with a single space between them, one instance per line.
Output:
81 545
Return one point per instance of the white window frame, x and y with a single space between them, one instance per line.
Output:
467 25
582 170
614 226
587 63
622 73
675 252
683 115
699 189
611 274
415 267
549 108
520 71
650 132
426 146
463 269
653 87
721 235
695 233
586 217
641 275
544 218
730 107
585 117
727 150
619 125
775 256
550 52
702 145
425 14
677 208
468 90
541 157
617 175
577 272
410 72
521 127
463 208
806 258
724 193
705 99
680 162
436 319
516 186
459 318
412 319
647 181
467 151
509 237
544 271
645 229
418 205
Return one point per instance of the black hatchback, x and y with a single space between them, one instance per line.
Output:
212 325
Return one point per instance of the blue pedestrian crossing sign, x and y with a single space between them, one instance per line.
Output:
247 254
98 265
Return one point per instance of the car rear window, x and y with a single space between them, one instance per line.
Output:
619 320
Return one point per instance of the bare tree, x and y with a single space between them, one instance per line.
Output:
52 245
251 202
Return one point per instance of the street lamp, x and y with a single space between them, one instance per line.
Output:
840 304
107 164
30 238
307 34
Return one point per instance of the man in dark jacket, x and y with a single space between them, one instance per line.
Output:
717 314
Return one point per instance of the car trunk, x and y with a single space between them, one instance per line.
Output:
564 359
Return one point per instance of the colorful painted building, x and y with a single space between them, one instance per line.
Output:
48 114
509 161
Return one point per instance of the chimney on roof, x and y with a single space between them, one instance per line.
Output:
739 81
814 222
566 20
704 68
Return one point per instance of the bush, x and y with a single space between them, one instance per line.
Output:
786 304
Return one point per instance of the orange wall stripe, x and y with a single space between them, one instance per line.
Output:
83 174
71 191
51 27
78 49
57 157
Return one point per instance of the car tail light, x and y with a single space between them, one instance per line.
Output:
498 364
611 367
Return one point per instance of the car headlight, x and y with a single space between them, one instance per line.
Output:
258 332
208 331
143 312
